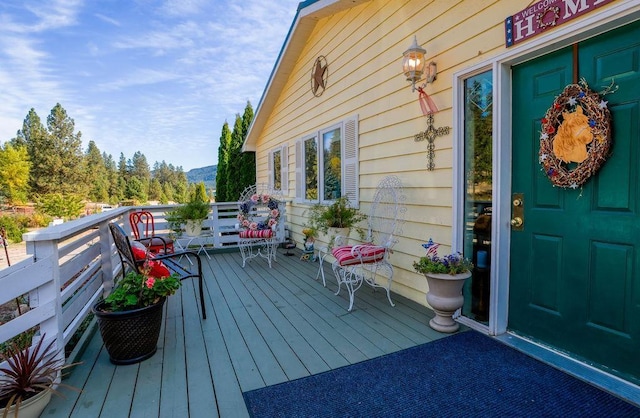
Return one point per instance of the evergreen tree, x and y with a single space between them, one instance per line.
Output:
115 193
134 190
247 170
200 193
222 176
14 173
155 190
234 187
62 165
96 174
140 169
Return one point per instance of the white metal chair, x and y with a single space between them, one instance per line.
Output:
369 262
261 223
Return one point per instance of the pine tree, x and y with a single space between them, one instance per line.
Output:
62 165
222 176
247 159
96 174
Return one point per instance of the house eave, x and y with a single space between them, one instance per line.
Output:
308 14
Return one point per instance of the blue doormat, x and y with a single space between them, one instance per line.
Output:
464 375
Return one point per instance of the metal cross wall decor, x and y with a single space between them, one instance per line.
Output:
430 134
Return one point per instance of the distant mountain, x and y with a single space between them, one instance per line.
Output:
206 174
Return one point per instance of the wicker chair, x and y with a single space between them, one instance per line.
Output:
261 223
369 262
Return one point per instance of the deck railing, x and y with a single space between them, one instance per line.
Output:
71 265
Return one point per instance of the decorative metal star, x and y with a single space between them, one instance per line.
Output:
319 76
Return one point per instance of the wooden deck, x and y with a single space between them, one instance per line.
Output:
265 326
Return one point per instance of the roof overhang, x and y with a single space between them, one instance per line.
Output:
308 14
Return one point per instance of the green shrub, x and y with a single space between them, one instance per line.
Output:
13 228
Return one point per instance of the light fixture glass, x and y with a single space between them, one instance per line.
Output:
413 65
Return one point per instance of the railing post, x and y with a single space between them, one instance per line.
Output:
108 276
49 293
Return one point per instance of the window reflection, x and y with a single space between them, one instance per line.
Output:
332 164
478 135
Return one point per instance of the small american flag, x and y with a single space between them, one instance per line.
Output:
431 247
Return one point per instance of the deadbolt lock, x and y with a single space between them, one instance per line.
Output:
517 215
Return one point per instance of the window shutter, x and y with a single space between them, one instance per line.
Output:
284 170
299 170
350 176
270 170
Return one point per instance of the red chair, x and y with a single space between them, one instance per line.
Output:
144 231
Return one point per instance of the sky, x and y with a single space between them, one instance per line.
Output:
156 76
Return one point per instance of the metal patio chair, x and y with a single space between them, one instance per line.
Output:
369 262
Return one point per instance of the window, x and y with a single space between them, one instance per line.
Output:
327 162
478 187
278 167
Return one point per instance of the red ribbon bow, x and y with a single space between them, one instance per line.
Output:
426 103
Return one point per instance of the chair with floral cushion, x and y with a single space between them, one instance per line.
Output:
260 221
369 262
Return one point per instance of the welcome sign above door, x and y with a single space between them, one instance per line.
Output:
545 14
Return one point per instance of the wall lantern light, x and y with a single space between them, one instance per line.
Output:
413 66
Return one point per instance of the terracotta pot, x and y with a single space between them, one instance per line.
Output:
130 336
445 298
29 408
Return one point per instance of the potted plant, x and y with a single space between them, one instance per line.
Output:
28 378
445 277
130 318
190 215
339 216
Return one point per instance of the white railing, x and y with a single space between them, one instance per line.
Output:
72 265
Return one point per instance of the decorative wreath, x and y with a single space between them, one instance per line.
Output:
273 215
576 135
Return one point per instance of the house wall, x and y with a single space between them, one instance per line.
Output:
363 47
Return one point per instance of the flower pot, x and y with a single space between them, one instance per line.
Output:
342 233
445 298
29 408
130 336
193 228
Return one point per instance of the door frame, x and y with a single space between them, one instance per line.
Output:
619 14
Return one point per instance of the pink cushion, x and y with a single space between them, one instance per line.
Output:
355 254
251 233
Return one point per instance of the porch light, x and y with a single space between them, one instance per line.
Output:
413 65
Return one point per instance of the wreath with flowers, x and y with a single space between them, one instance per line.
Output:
247 218
576 135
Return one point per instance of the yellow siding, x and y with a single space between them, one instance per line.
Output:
363 47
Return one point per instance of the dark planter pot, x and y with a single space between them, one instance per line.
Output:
130 336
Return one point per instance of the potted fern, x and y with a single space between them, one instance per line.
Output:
336 219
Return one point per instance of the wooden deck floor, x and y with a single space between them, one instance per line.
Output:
265 326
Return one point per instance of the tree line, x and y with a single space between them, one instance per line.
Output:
47 163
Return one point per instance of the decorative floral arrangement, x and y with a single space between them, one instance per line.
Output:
576 135
138 290
452 264
246 207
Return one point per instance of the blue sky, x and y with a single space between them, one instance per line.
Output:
157 76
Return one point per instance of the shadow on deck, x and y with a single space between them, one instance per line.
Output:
264 326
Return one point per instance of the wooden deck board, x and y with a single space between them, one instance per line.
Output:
264 326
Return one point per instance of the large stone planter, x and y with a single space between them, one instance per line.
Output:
445 298
130 336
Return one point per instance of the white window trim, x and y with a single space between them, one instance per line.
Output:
349 160
284 167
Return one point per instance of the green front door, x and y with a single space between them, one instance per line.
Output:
575 265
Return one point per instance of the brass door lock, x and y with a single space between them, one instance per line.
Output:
517 216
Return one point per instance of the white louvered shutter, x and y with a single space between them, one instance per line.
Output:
350 176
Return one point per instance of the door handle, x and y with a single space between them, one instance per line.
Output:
517 212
